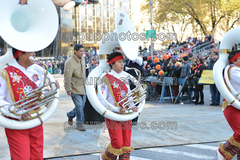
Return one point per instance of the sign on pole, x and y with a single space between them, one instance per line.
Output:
151 34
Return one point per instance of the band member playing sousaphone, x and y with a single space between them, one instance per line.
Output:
114 88
232 146
15 81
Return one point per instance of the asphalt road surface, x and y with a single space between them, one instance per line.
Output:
205 151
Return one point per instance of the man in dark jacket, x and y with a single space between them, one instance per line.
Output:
165 64
186 66
213 89
138 64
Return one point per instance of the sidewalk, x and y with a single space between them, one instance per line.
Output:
172 125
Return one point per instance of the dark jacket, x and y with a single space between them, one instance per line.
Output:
174 72
193 72
211 64
130 64
158 63
185 69
201 67
164 67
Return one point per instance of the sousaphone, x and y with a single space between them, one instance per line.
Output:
226 89
30 26
123 25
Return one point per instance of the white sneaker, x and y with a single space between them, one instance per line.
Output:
220 157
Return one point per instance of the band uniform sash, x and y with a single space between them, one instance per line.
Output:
117 88
18 83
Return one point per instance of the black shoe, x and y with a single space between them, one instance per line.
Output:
212 104
216 104
201 102
196 102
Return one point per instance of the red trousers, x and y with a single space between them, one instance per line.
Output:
25 144
119 132
232 116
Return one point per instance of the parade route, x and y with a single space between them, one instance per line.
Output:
159 125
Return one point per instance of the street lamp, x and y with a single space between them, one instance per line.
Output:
151 3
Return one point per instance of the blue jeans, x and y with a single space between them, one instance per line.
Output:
215 94
78 111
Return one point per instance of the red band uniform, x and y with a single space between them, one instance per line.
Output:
15 81
114 87
232 146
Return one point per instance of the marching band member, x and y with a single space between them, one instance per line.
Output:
232 146
15 81
114 88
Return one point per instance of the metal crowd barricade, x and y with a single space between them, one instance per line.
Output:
184 83
167 84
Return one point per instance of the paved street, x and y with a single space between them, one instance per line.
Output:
160 125
205 151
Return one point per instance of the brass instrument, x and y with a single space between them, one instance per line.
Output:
37 97
136 96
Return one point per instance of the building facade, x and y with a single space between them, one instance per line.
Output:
91 22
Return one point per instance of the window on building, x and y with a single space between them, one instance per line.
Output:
90 12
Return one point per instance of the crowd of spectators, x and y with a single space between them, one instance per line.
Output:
178 60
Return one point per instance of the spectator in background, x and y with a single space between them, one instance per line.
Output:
62 66
161 59
58 66
148 67
215 94
144 61
194 59
157 62
192 76
199 88
174 71
54 67
186 66
166 61
87 67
